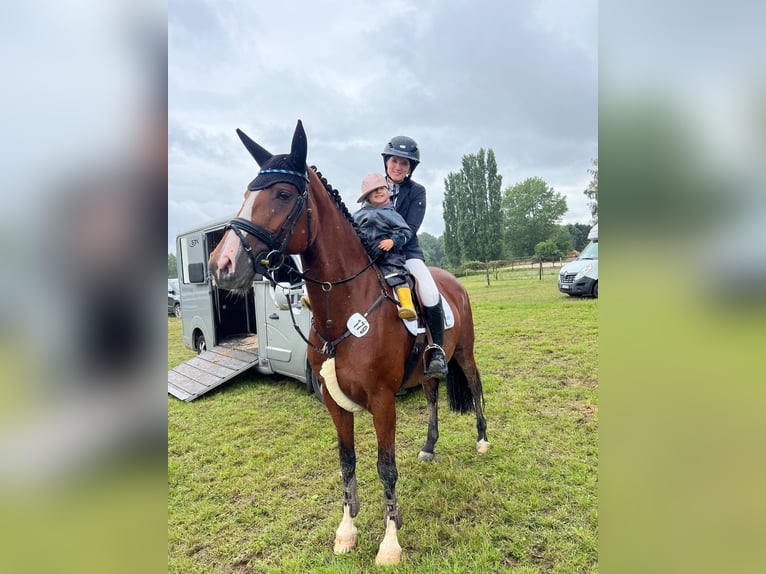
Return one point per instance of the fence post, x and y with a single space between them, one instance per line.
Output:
541 269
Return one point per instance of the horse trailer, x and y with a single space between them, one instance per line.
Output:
234 332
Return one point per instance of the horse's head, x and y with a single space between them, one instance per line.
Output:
272 218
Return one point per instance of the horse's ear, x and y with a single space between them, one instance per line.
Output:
259 154
299 148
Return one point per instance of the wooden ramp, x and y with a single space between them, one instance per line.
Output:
212 368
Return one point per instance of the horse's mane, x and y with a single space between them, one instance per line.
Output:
335 195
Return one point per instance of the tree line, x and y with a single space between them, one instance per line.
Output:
483 222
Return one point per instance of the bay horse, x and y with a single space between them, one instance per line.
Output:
358 347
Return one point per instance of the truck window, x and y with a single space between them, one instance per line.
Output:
590 251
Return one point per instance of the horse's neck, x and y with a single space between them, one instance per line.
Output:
337 252
335 255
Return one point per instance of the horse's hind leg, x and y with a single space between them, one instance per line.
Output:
482 442
431 390
384 419
346 534
467 363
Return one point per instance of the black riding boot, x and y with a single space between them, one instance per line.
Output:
434 317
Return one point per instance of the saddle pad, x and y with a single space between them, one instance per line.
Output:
449 319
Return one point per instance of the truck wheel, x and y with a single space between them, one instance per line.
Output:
199 343
595 289
177 310
313 384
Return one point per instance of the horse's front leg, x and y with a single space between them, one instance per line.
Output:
431 390
346 534
384 419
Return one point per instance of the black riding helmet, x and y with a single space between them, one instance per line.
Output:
405 147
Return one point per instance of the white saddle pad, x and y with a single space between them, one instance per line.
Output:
449 319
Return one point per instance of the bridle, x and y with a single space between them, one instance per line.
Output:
276 242
266 263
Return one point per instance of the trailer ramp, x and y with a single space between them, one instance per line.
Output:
213 367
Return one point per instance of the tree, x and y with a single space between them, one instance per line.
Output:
592 190
547 251
433 249
532 210
172 266
452 189
562 239
472 211
579 234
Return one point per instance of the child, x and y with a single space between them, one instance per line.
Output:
384 232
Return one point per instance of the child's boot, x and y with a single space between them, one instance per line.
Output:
406 308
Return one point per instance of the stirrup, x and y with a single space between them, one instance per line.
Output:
435 369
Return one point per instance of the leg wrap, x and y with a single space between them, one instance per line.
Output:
350 497
392 513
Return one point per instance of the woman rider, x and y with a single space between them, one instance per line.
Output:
400 157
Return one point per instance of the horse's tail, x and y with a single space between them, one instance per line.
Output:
458 392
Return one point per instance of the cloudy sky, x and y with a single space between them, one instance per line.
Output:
517 77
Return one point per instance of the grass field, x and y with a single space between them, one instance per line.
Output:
253 471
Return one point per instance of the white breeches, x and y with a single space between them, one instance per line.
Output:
427 290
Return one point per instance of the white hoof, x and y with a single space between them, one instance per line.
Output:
390 552
343 545
424 456
345 536
482 446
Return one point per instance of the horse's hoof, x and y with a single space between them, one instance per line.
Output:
424 456
390 552
389 558
345 535
343 544
482 446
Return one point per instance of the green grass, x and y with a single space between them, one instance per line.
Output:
253 472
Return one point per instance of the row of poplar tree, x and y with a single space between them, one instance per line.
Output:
484 223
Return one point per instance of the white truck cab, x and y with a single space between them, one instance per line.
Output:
580 277
233 333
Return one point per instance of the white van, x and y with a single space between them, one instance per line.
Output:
580 277
233 333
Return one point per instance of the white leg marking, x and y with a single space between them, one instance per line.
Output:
345 536
482 446
389 552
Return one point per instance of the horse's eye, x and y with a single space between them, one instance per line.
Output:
283 195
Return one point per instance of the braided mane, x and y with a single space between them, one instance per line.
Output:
335 195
